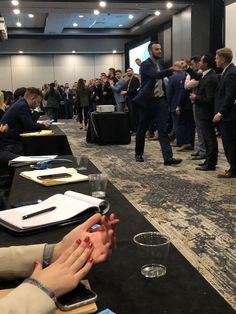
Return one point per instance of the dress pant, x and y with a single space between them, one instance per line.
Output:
68 109
186 128
211 144
133 115
53 113
157 110
83 115
228 136
201 144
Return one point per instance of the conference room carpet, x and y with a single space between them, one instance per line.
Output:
196 209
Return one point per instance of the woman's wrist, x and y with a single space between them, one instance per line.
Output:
42 287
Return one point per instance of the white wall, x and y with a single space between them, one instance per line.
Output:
30 70
230 27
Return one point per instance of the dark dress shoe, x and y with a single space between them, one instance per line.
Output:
172 161
139 158
195 154
228 174
202 164
198 157
206 168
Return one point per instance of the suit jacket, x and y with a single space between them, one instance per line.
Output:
19 119
226 94
149 75
16 262
132 86
205 96
174 89
117 88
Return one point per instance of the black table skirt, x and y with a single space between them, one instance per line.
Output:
108 128
118 281
56 144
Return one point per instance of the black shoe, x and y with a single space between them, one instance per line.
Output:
206 168
195 154
202 163
198 157
172 161
139 158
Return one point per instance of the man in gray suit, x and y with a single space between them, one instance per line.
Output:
117 88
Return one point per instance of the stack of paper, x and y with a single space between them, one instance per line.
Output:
74 176
40 133
31 159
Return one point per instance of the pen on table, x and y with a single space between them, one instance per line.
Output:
39 212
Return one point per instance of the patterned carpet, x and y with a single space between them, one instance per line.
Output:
194 208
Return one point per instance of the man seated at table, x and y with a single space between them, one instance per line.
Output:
19 119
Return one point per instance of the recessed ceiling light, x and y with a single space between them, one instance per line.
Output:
81 16
120 25
20 51
102 4
18 24
96 12
31 16
16 11
15 2
114 51
157 13
75 24
131 16
169 5
73 51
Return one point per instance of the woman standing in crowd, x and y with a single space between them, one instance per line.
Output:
53 99
82 103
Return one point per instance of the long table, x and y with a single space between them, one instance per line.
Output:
55 144
118 282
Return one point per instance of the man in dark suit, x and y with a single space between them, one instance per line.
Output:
204 102
19 119
225 108
151 104
131 89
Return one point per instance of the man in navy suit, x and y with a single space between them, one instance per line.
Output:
19 119
151 104
225 108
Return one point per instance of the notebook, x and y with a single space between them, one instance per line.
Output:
39 133
74 176
70 207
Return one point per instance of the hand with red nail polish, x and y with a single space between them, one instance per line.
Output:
67 271
103 237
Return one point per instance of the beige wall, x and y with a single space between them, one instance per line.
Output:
29 70
230 28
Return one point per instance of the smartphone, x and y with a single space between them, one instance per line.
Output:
78 297
50 121
54 176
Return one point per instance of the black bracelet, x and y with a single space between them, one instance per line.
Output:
41 286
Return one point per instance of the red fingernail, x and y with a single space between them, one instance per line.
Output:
86 239
34 264
78 241
90 260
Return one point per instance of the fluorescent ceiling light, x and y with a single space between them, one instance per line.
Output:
102 4
131 16
15 2
16 11
157 13
96 12
20 51
73 51
169 5
18 24
120 25
81 16
114 51
31 16
75 24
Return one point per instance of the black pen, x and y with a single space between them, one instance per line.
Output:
39 212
